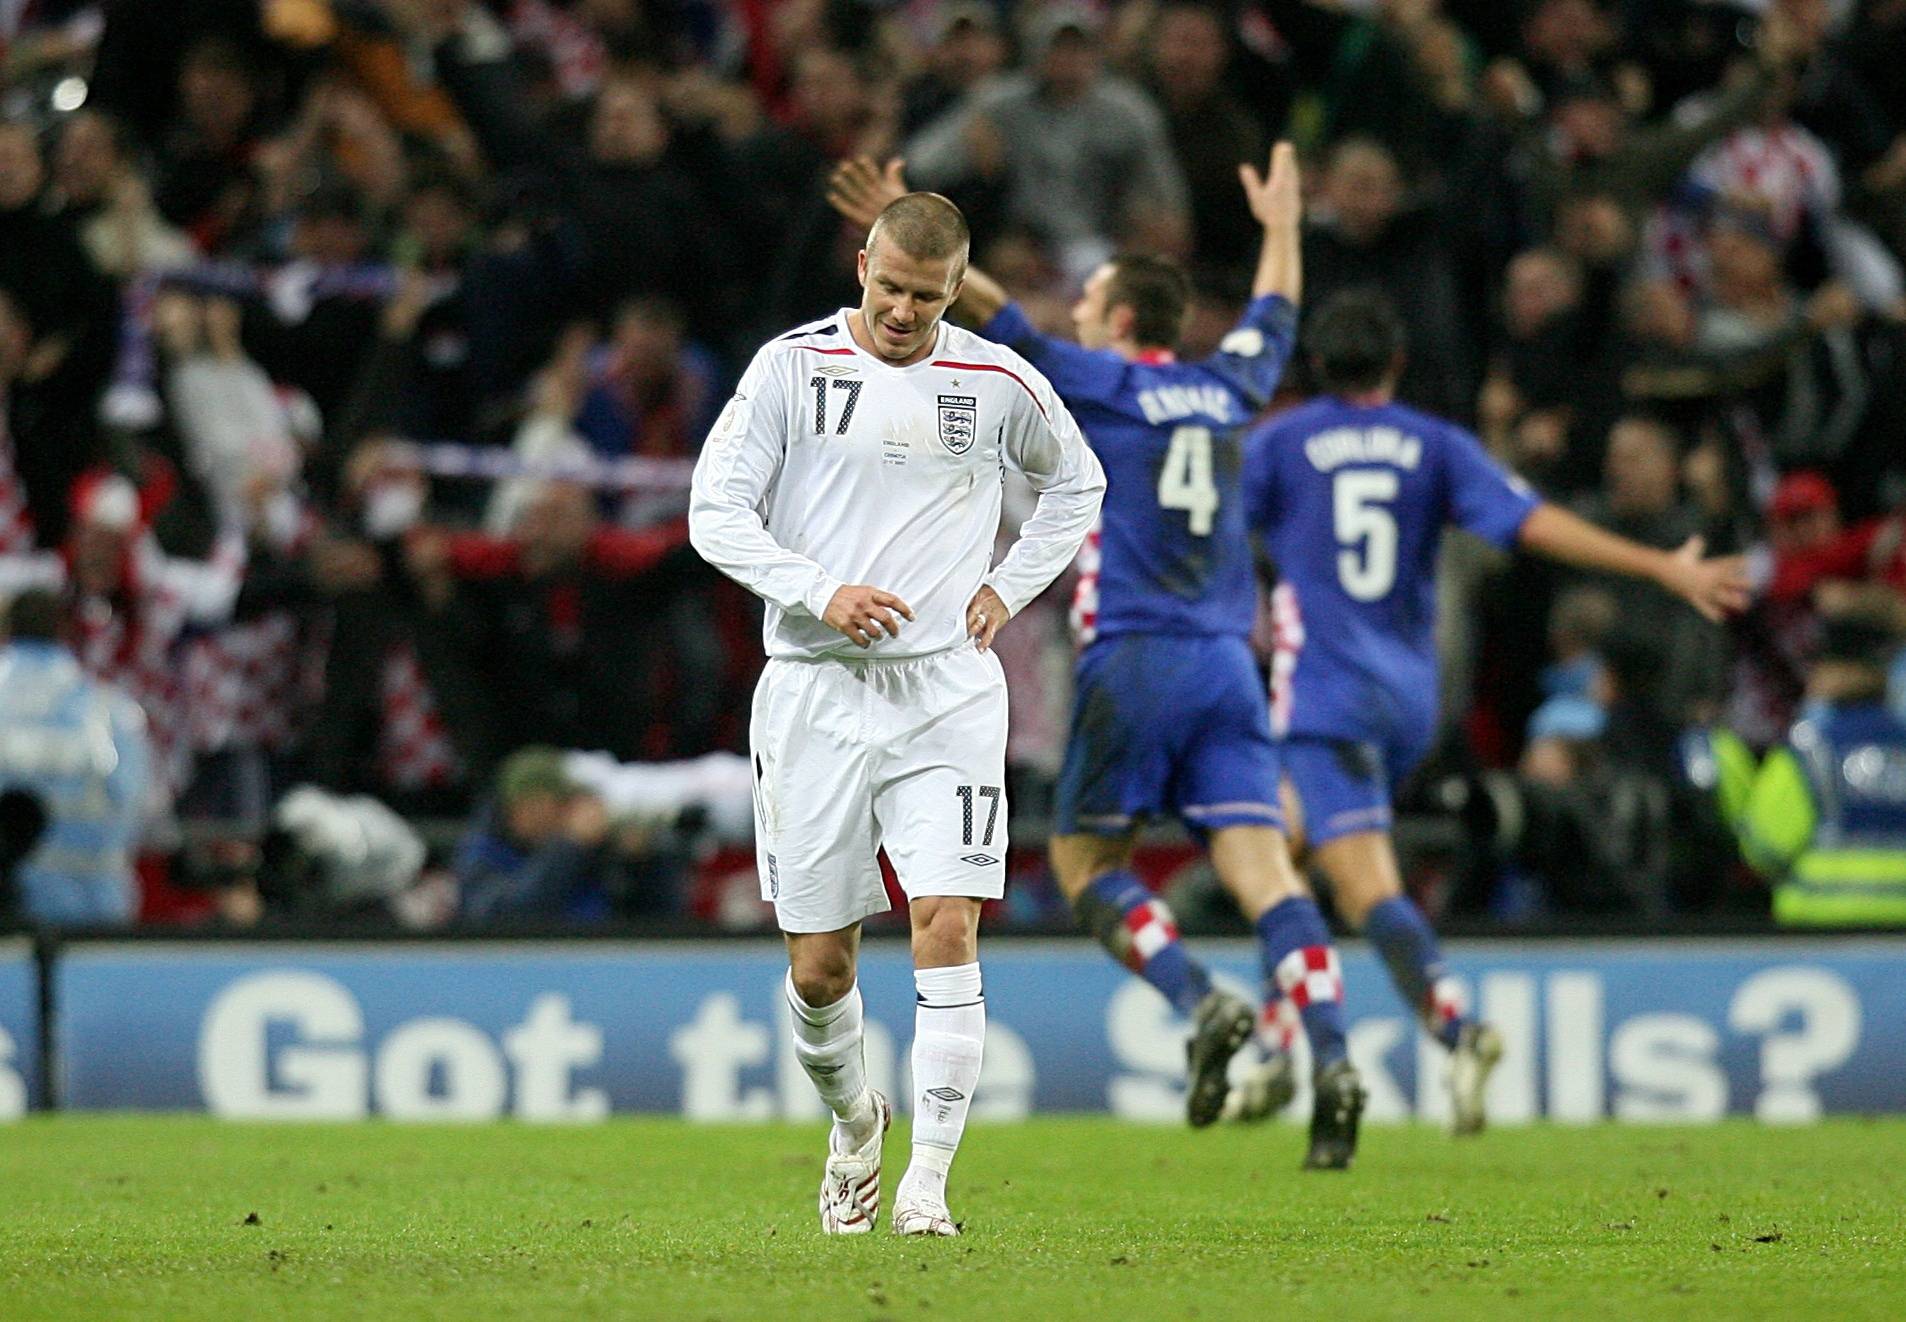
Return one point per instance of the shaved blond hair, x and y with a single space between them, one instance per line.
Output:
925 226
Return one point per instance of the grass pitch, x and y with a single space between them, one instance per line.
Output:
138 1217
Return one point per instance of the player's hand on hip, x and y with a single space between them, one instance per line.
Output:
1276 197
1717 587
860 190
862 613
984 616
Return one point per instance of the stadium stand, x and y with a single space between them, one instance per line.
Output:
353 354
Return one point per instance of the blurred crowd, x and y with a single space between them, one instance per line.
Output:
353 354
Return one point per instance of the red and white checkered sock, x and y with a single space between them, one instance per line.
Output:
1301 962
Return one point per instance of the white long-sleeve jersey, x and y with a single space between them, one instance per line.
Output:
830 466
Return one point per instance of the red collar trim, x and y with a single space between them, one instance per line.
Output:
1154 357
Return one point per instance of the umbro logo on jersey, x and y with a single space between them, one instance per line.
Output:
959 421
831 369
979 860
948 1095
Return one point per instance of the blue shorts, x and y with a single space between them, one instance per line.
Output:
1345 785
1162 724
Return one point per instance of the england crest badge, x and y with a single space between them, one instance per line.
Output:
959 422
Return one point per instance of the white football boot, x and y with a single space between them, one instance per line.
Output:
917 1213
850 1185
1264 1091
1476 1054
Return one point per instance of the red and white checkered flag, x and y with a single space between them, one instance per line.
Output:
414 751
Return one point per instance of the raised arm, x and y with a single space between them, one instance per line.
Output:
1251 359
1716 587
208 588
1276 198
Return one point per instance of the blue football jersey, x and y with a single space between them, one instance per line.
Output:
1172 551
1351 502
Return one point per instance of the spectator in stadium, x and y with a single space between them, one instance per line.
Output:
109 203
425 375
967 49
1364 238
1211 131
1578 623
320 317
1567 43
1814 394
1617 826
244 681
1591 143
539 849
643 220
1839 103
404 716
206 183
129 604
1778 172
1812 547
1641 499
1823 818
562 618
650 390
1677 356
836 106
1395 72
56 301
78 747
236 432
1084 157
16 519
1555 365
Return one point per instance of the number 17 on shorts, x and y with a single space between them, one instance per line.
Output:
906 756
971 833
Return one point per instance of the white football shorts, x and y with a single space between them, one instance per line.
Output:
851 755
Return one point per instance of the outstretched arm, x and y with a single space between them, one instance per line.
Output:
1716 587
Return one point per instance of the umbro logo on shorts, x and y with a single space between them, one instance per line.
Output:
774 878
948 1095
979 860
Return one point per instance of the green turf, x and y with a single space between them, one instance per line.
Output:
1066 1218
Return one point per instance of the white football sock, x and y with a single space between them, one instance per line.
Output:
949 1036
827 1042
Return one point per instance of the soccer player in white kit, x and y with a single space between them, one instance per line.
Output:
853 483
